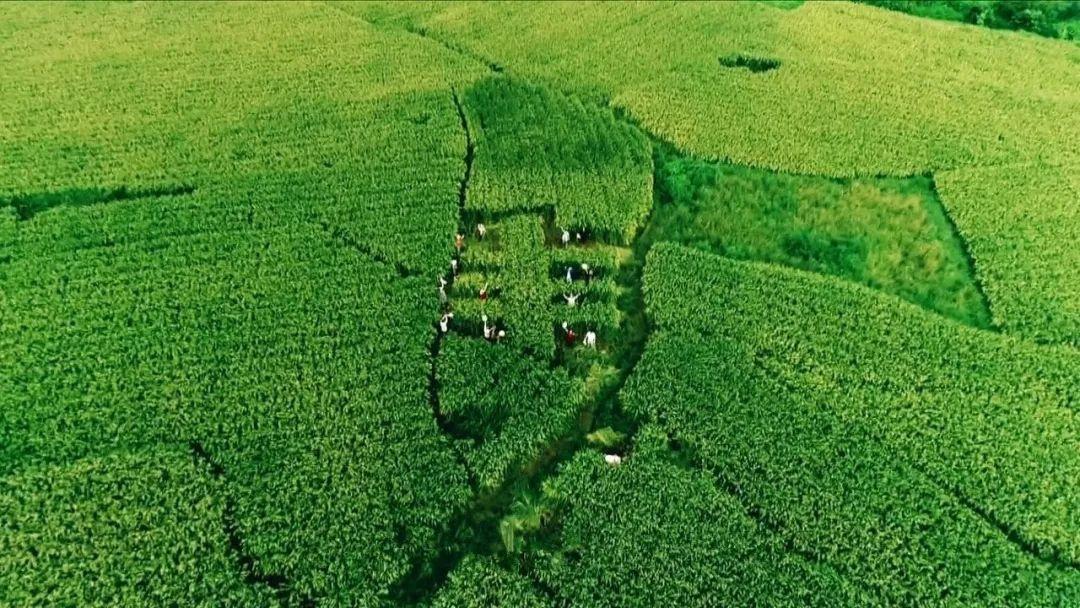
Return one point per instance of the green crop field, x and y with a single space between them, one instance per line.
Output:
540 304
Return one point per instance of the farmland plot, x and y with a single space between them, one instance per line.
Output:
252 346
1022 223
261 306
114 529
904 95
656 533
536 147
988 419
830 486
219 279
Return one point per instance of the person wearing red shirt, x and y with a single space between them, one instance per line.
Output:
571 337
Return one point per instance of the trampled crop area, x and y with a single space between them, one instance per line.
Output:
537 304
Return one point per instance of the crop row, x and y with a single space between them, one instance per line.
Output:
536 147
508 407
407 226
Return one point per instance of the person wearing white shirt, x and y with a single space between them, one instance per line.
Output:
590 339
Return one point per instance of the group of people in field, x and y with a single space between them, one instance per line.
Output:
494 333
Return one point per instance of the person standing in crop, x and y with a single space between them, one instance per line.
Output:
444 322
569 274
590 339
484 293
489 332
571 298
481 230
459 241
571 337
565 237
442 291
587 273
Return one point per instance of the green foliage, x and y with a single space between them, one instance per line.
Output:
1048 18
528 513
887 233
754 64
482 583
1022 223
309 390
527 274
536 147
859 91
221 226
123 529
606 437
651 533
268 314
822 393
509 407
830 486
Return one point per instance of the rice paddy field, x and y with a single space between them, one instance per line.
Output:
540 304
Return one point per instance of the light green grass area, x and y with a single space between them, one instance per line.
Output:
887 233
